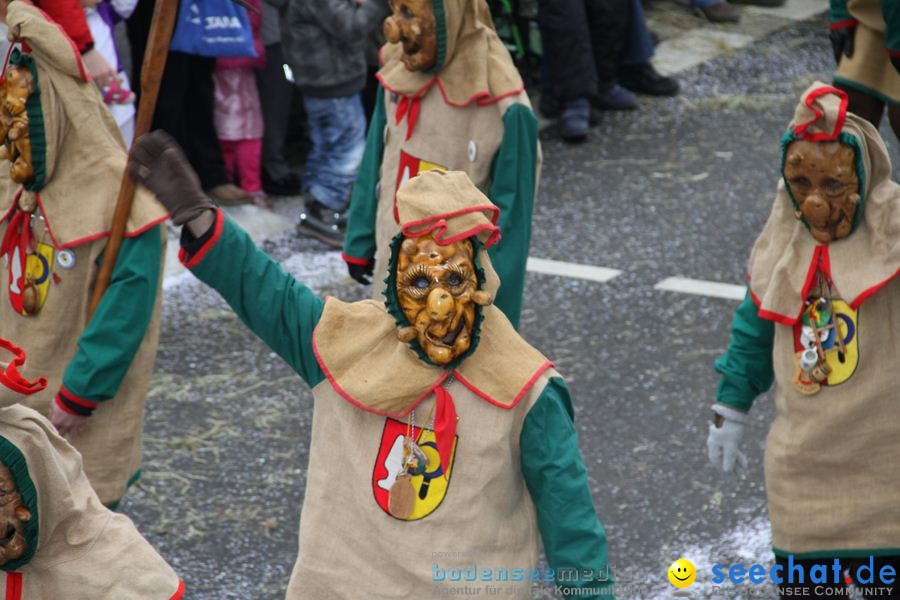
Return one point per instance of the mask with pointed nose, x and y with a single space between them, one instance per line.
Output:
413 24
823 181
437 287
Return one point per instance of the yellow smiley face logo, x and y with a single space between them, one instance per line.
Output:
682 573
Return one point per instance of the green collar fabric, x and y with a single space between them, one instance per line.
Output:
35 122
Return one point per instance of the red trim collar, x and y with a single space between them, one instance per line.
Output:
431 389
482 98
337 387
79 241
820 254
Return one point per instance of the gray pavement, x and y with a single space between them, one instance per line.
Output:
679 188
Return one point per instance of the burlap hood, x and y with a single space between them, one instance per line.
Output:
784 259
73 542
81 545
78 152
472 65
356 343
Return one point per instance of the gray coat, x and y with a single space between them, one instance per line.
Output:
325 44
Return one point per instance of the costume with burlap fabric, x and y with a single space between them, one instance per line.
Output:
83 550
75 547
470 114
876 39
832 457
502 449
102 367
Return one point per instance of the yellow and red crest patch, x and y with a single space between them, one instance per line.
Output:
36 274
841 360
430 487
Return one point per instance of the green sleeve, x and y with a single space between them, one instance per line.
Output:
746 366
891 11
359 237
838 12
557 480
513 179
279 309
112 338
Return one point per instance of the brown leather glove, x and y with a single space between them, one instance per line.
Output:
159 164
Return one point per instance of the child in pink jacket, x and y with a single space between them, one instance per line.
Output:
238 115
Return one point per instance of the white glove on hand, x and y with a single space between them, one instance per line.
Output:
723 441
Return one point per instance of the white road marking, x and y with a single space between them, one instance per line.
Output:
567 269
795 10
698 287
695 46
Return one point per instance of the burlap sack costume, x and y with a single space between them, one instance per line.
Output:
76 548
470 113
79 159
869 69
832 457
500 412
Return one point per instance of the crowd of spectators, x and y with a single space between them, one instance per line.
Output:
231 115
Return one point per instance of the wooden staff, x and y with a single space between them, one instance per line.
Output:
164 15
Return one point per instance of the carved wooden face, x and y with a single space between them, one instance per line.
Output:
414 25
15 145
823 180
13 516
435 285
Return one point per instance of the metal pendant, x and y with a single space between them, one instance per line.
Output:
416 461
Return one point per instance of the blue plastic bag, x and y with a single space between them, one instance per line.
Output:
212 28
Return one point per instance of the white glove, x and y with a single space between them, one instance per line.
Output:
723 441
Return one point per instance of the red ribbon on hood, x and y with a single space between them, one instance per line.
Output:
444 426
408 107
11 377
15 245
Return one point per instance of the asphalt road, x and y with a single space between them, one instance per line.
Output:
679 188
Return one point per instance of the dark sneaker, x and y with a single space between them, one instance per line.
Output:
289 185
644 79
322 223
720 12
615 97
574 120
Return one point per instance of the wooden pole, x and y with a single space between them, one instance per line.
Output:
164 15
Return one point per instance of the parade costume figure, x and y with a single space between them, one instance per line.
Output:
821 319
451 430
62 542
452 99
865 36
54 224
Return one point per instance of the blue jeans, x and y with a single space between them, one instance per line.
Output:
702 3
638 47
337 127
